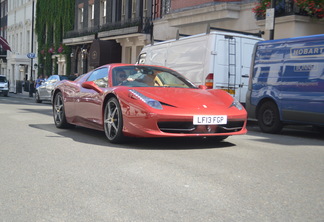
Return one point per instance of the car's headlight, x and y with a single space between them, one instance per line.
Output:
149 101
236 104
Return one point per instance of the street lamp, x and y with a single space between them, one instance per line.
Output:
31 85
273 7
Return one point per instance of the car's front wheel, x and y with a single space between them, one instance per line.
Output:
37 98
113 121
59 112
268 118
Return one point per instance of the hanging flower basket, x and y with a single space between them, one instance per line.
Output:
60 49
51 50
260 9
312 8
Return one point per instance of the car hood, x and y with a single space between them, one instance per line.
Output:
188 98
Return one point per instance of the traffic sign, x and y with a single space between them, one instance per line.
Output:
31 55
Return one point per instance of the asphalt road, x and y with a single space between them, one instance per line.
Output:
50 174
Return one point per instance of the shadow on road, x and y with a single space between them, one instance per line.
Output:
93 137
290 135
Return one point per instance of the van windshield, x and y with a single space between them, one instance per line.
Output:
3 79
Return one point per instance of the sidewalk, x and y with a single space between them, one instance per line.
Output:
23 95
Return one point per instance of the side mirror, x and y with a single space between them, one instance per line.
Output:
202 87
91 85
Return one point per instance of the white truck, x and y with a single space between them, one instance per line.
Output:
216 59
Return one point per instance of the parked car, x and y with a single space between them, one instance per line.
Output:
125 100
4 85
45 90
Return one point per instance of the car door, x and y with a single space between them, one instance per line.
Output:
88 101
49 86
42 89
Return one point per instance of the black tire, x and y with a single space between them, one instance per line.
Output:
59 112
37 99
268 118
113 121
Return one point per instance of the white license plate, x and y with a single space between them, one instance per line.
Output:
209 120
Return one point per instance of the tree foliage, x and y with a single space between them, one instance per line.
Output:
53 19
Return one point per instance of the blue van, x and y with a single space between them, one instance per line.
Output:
286 84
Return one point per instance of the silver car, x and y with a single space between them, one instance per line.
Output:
45 90
4 85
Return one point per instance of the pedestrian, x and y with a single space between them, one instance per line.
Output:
39 81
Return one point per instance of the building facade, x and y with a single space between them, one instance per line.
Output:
194 16
120 28
107 31
3 33
21 64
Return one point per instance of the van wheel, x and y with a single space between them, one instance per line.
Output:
268 118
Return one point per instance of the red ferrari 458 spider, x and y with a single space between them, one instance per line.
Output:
125 100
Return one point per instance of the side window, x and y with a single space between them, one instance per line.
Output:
52 79
100 77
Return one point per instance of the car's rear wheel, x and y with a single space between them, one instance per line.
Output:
113 121
37 99
268 118
59 112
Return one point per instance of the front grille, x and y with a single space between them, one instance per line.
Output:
189 128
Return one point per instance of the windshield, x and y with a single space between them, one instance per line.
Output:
3 79
148 76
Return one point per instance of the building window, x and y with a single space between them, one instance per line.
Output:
103 11
28 41
133 8
123 9
117 9
80 17
145 8
91 12
91 15
20 44
156 9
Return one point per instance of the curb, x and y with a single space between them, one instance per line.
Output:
21 95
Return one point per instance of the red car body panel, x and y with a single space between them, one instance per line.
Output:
85 107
